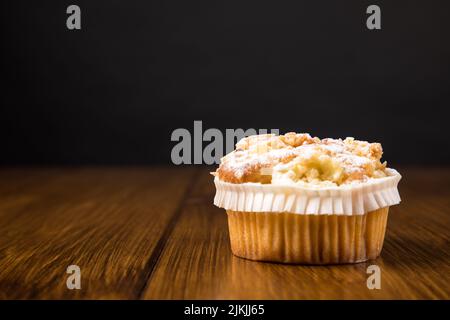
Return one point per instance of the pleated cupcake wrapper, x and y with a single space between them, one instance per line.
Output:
353 199
307 239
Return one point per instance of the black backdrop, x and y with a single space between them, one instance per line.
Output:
112 92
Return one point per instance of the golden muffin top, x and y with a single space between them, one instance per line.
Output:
301 159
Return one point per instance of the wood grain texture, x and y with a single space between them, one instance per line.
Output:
107 221
154 233
197 262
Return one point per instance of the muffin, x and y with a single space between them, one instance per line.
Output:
297 199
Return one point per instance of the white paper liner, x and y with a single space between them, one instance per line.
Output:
354 199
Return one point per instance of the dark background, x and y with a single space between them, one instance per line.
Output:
112 92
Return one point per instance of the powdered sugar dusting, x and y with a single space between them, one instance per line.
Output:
299 158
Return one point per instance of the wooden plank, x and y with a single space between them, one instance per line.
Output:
197 263
108 221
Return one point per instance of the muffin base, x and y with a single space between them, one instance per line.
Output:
307 238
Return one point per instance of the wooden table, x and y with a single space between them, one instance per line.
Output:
153 233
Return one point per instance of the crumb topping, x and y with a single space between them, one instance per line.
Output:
302 159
